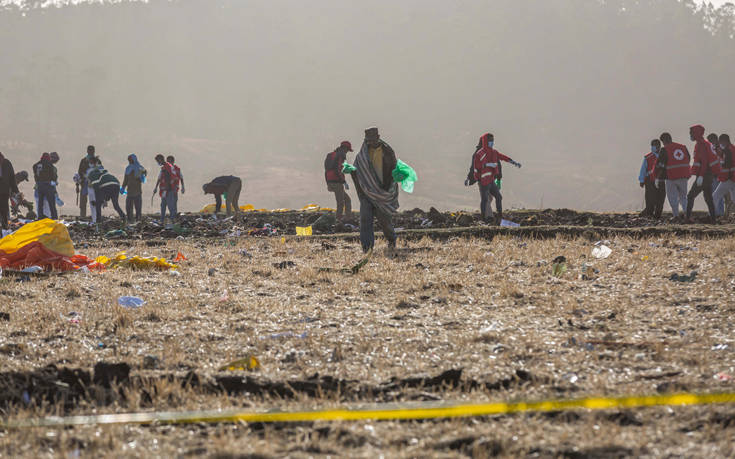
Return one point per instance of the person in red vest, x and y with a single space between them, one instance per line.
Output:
727 171
655 195
485 168
177 179
335 178
673 167
166 183
705 167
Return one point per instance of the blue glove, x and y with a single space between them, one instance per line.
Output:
122 191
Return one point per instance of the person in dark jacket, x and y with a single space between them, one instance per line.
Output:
335 179
230 186
8 187
135 176
81 180
375 187
106 188
46 176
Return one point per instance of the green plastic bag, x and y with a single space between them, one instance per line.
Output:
348 168
405 175
498 183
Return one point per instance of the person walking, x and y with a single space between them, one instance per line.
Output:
376 189
485 169
8 188
45 175
335 178
673 167
705 167
229 186
132 187
655 195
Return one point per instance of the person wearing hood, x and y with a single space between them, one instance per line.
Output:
673 167
376 189
46 176
8 187
81 181
727 172
135 176
485 169
106 188
335 178
655 195
705 167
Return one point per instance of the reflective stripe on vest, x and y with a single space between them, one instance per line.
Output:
491 164
675 166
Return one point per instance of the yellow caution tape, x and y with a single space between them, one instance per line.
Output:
381 412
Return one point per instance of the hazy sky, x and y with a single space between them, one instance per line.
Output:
264 89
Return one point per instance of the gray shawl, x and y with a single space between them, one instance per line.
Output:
385 201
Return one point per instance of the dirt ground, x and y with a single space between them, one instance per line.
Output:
460 319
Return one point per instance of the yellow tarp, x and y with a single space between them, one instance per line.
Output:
121 260
303 231
53 235
311 207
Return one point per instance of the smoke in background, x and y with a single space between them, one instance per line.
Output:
573 89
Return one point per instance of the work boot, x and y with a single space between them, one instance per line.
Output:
499 218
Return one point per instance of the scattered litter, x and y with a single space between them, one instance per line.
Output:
121 260
355 269
73 317
32 270
723 377
248 363
303 231
719 347
288 334
285 264
509 224
180 257
115 234
683 278
174 273
588 272
559 266
601 251
132 302
212 271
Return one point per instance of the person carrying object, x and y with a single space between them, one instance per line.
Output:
229 186
485 169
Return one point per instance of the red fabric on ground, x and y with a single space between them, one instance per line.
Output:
35 254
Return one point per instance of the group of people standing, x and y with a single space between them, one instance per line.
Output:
667 168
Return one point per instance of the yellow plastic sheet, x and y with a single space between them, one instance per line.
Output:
121 260
303 231
53 235
311 207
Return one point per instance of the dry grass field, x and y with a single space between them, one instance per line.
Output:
488 309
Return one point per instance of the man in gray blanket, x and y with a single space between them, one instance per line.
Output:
377 190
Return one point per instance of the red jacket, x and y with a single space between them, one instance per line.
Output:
485 162
333 165
706 160
167 179
727 171
677 161
651 161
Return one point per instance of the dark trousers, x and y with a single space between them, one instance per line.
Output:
367 232
344 203
108 193
4 210
485 203
706 188
133 201
83 201
655 198
46 193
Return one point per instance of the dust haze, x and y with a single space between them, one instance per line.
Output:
573 89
